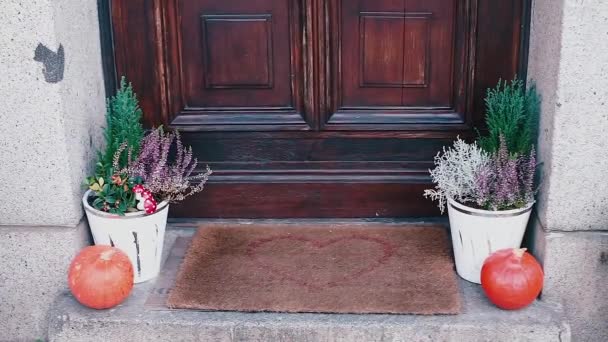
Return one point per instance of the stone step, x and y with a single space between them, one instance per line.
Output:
132 321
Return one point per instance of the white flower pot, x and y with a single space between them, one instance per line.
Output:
478 233
138 234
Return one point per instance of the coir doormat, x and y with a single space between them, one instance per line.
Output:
364 269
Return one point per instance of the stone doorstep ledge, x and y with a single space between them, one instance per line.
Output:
131 321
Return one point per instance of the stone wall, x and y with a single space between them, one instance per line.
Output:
50 122
48 128
569 63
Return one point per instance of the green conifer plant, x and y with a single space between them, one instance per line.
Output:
513 112
123 125
123 132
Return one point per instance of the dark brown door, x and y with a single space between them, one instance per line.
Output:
315 108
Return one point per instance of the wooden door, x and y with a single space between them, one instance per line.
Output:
315 108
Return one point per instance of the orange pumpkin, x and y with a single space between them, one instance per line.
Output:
511 278
101 277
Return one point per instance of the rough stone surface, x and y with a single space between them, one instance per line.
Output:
576 274
131 321
34 263
569 61
48 129
82 90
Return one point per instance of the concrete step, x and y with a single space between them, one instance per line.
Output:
132 321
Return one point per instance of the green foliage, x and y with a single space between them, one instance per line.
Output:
512 112
113 191
113 194
123 124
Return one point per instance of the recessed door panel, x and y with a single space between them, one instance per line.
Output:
380 59
430 26
235 65
394 61
238 53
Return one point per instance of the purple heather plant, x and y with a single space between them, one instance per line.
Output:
485 179
169 179
507 182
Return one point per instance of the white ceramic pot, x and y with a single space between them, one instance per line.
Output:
139 235
478 233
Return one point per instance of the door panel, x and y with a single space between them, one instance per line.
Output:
394 63
417 59
371 53
439 18
315 108
238 54
405 45
234 64
381 59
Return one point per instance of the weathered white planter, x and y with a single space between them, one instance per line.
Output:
478 233
139 235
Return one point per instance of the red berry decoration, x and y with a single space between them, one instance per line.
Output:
145 199
511 278
101 277
150 205
138 189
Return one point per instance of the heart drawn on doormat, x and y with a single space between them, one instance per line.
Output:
317 253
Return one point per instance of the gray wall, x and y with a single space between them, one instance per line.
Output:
569 62
49 134
48 129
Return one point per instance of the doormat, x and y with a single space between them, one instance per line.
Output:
331 269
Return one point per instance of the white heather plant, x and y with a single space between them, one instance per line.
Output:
455 173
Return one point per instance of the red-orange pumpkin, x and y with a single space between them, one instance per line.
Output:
511 278
101 277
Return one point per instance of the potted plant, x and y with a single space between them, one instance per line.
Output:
488 186
136 177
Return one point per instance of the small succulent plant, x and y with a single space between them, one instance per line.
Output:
115 196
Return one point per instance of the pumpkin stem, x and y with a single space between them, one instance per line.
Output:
107 255
519 252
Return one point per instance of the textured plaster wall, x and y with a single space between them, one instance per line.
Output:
49 130
569 62
33 271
